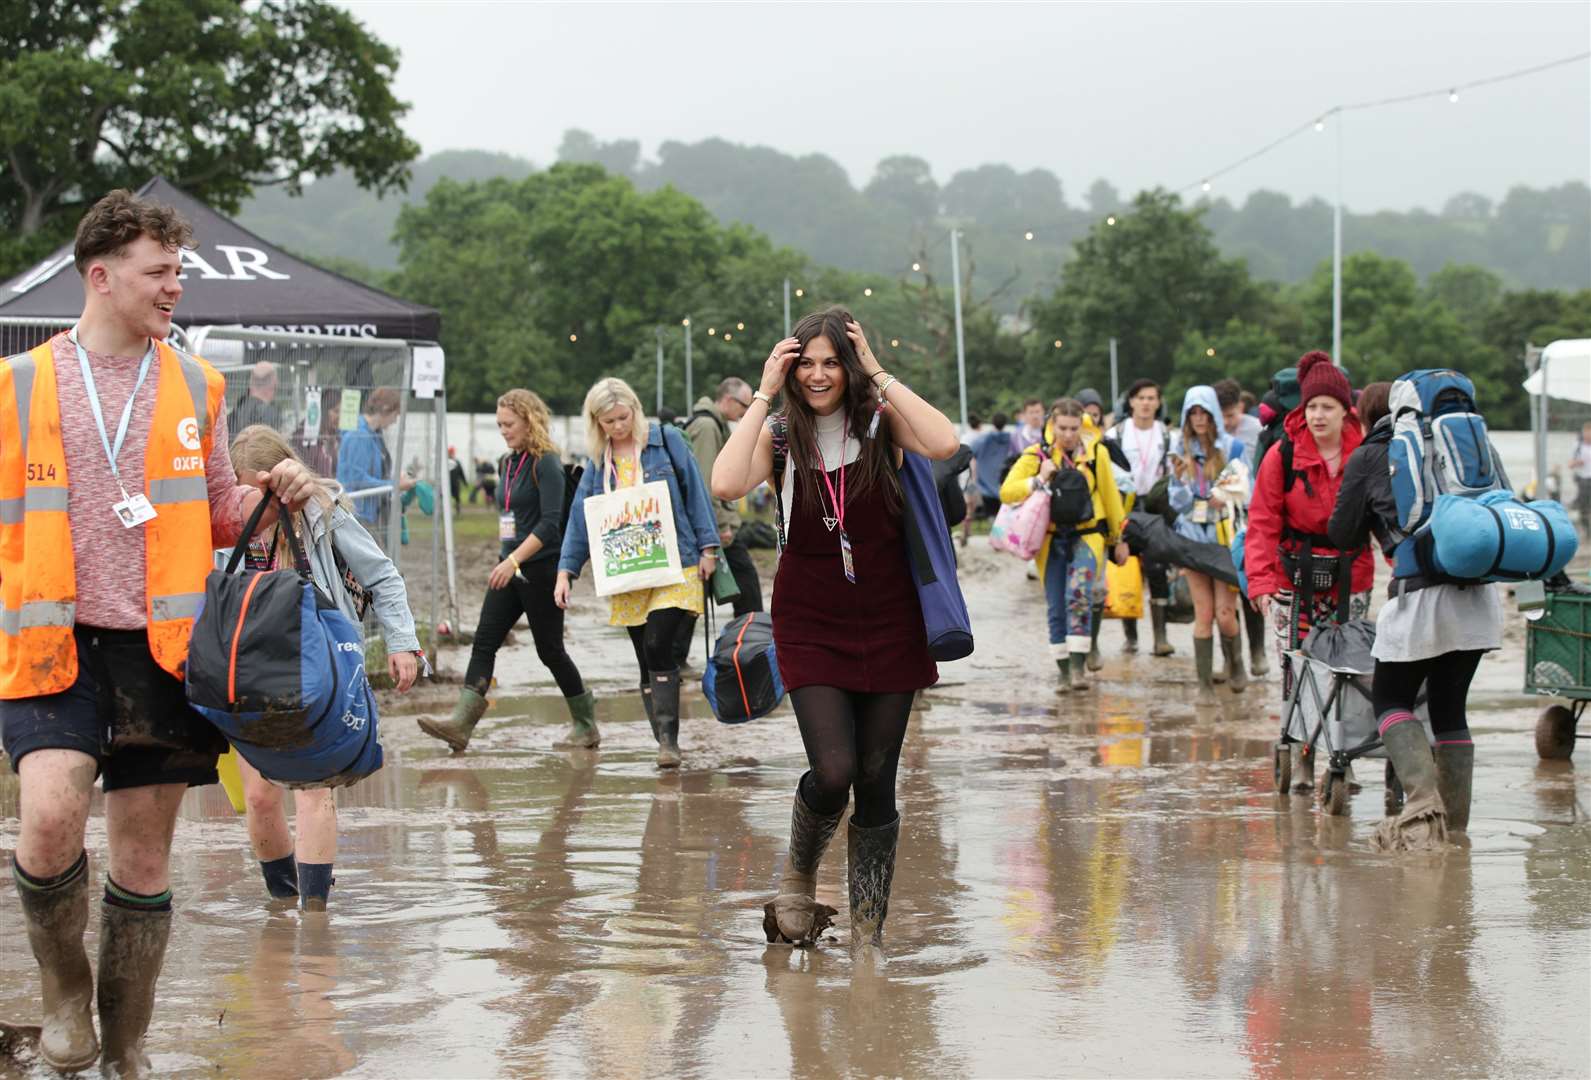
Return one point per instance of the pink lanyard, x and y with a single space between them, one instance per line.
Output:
508 488
837 501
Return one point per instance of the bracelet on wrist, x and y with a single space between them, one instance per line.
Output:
884 387
877 373
758 395
515 562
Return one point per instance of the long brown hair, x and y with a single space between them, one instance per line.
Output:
529 407
875 466
1214 460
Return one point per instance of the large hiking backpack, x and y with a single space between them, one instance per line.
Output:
1439 444
1458 520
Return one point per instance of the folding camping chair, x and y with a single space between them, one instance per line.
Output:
1330 700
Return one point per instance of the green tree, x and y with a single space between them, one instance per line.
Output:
1150 280
218 95
1469 292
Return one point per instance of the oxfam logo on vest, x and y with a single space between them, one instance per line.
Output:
188 432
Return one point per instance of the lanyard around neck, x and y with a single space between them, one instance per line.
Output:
837 500
111 452
508 488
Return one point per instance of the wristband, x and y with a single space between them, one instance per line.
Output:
514 561
758 395
884 389
877 373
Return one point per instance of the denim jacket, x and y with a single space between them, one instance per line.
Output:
389 599
664 457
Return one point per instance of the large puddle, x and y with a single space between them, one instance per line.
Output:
1088 885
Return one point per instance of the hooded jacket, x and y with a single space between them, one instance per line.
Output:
1306 508
1184 493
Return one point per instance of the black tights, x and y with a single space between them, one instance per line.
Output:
653 640
1446 677
852 740
528 593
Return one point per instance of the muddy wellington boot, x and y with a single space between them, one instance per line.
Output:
582 721
1157 621
1422 825
1204 665
793 916
870 870
1232 650
1455 770
1063 667
281 877
1095 662
665 717
1254 624
132 948
456 732
56 913
1129 629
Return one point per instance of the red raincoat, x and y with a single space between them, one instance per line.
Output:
1306 508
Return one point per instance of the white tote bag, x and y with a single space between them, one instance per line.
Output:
633 544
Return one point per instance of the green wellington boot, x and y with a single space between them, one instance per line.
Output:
132 948
1422 825
1157 621
56 918
1232 650
1204 665
1254 623
794 916
1095 661
1455 770
870 869
582 721
456 732
665 717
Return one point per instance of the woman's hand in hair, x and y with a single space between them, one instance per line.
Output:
778 366
864 352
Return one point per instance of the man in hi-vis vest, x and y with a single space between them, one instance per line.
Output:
115 487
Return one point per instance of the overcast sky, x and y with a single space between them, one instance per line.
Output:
1141 94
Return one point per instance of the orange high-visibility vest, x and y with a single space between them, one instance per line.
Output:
38 578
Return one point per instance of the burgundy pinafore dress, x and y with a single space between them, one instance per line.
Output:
867 637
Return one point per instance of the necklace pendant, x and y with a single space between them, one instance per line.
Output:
829 523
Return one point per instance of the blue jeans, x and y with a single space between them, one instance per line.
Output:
1069 593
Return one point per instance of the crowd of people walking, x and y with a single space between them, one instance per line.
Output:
1290 492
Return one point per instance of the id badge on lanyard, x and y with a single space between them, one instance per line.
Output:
505 526
133 510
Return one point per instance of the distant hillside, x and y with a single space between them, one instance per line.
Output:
1531 239
337 219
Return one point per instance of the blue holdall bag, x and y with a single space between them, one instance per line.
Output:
741 681
1494 537
933 562
280 671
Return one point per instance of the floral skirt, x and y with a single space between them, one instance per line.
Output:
632 608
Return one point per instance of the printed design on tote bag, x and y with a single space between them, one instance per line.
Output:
632 539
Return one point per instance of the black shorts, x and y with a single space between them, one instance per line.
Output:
125 711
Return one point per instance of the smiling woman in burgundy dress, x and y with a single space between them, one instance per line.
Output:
847 624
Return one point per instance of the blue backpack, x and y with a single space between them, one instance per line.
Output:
280 670
1458 519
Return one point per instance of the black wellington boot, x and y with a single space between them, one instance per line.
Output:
794 916
870 868
1157 621
665 717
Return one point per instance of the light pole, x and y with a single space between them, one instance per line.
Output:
688 398
1336 258
786 307
659 369
961 341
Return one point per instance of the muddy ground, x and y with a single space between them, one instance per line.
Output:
1096 884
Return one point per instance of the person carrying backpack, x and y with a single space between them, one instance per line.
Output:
1298 578
1205 466
1086 514
1432 631
1146 444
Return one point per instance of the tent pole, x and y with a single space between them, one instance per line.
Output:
395 518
